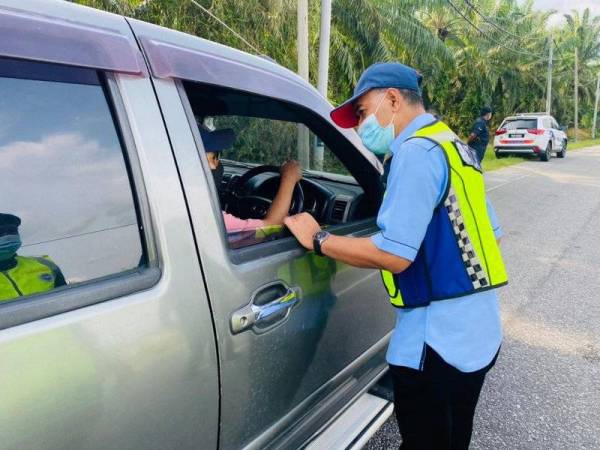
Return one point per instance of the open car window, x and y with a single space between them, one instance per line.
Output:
336 188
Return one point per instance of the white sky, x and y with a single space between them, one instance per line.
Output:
566 6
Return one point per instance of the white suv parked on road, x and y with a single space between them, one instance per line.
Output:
531 133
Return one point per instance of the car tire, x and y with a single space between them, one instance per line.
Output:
547 153
563 151
499 155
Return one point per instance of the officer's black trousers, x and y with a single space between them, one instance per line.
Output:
435 407
480 154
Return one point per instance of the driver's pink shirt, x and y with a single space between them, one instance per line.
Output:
235 225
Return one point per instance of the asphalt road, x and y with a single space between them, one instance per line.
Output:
544 392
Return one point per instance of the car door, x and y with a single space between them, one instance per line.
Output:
106 340
299 335
549 130
559 134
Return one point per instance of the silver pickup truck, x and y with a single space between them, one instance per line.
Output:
166 331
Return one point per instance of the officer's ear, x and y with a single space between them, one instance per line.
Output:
396 99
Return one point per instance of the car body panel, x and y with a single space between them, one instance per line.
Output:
138 371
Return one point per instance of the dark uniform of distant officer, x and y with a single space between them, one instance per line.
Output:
480 136
23 275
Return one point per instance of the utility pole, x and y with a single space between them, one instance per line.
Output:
596 106
324 39
302 43
576 93
550 64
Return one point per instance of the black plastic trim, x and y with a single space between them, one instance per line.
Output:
43 71
41 306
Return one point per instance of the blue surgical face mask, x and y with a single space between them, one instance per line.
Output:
375 137
9 244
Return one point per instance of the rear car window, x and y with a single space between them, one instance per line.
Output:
520 124
68 213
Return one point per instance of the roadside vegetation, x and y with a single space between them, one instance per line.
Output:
490 162
471 52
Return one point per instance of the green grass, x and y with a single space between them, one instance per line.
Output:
490 162
582 144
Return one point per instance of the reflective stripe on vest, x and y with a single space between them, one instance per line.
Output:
459 254
29 276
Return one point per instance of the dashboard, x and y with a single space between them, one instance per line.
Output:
329 198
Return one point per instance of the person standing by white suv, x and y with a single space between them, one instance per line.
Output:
480 135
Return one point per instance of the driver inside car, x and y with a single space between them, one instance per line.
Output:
291 173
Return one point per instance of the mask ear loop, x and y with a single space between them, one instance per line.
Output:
377 109
380 100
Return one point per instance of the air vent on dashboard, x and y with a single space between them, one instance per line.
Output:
338 212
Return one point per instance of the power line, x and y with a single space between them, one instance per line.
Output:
504 30
495 25
238 35
87 233
459 12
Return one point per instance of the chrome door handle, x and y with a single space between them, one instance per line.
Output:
276 310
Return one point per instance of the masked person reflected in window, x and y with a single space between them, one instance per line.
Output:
23 275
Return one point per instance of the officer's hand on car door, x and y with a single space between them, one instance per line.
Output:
303 226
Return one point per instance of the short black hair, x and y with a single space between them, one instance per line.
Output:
486 110
411 97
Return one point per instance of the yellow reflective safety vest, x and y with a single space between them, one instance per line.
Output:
459 254
30 276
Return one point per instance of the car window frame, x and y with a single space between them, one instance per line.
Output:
68 298
241 255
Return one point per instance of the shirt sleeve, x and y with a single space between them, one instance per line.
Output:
494 219
416 183
235 225
478 128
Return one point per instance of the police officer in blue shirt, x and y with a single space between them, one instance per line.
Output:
480 136
437 250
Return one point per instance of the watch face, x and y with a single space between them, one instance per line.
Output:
321 234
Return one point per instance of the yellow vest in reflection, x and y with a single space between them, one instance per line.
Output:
31 275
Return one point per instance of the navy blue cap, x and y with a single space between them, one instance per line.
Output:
380 75
217 140
9 224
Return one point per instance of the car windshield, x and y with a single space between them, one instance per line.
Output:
514 124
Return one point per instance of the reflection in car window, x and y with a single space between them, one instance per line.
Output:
64 177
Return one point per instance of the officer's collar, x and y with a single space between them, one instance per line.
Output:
8 264
417 123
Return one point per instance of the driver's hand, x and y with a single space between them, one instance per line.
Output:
292 171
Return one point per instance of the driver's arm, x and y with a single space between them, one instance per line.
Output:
291 173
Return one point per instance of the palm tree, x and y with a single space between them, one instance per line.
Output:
582 32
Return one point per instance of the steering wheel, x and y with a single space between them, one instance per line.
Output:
256 206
